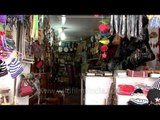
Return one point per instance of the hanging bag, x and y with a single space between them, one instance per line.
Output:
116 40
25 89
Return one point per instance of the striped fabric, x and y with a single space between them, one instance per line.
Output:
3 68
15 68
156 85
154 22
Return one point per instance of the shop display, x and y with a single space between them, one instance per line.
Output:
117 62
97 89
154 93
25 89
138 98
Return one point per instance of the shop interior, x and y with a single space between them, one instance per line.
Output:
79 60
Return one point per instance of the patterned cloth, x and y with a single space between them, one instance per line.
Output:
15 68
156 85
154 22
3 68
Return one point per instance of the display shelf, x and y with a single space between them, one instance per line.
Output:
123 99
95 90
92 59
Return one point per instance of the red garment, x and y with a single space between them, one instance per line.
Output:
126 89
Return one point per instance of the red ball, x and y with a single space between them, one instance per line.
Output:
104 48
103 27
104 55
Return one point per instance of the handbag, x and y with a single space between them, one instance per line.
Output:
39 64
116 40
25 90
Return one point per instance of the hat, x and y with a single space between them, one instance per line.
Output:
3 68
156 85
138 99
15 68
154 96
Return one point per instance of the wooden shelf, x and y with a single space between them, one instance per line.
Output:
92 59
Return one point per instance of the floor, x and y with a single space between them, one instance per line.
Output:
72 99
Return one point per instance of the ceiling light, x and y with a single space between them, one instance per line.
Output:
63 18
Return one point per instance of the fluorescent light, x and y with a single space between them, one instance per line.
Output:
60 43
63 36
63 18
60 30
42 18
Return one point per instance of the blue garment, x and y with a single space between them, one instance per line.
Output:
154 22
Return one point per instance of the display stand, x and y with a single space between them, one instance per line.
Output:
95 90
123 99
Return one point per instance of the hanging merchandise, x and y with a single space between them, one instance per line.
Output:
154 21
1 27
104 48
36 49
97 36
39 63
24 88
104 55
103 27
21 18
15 68
36 27
8 44
32 18
104 41
104 34
35 30
117 40
3 68
3 18
103 38
127 26
40 36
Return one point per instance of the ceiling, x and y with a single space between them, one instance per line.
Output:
76 26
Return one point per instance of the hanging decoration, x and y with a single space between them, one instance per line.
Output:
104 48
103 27
104 41
104 33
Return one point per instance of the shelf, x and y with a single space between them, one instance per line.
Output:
92 59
